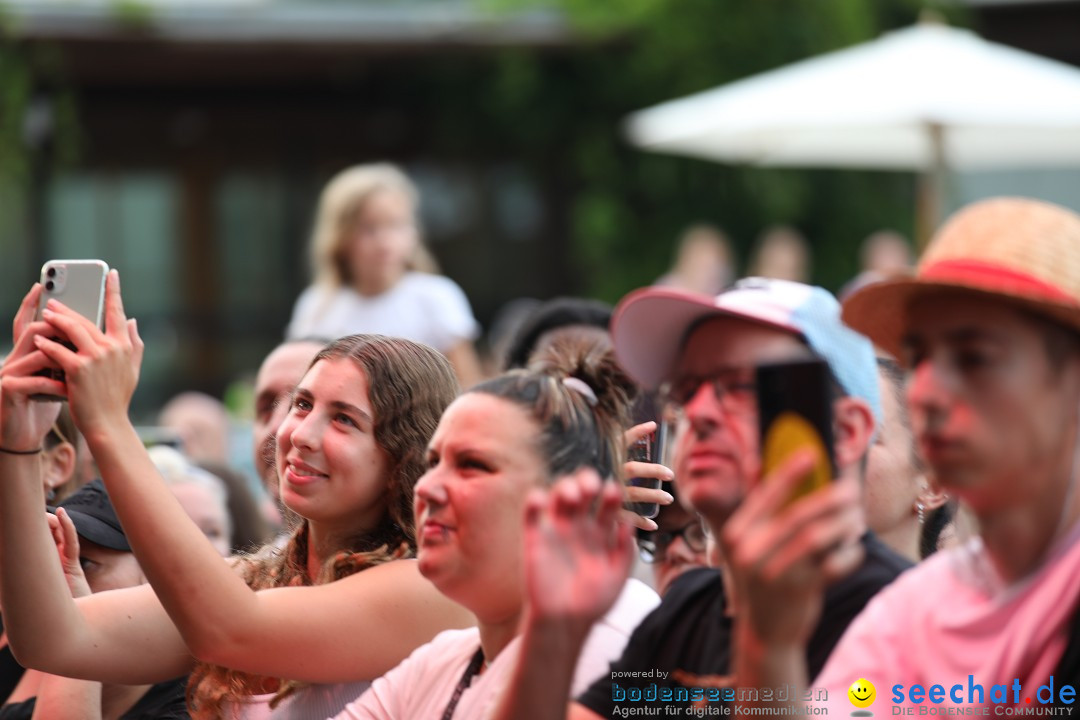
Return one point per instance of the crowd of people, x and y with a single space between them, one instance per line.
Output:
436 544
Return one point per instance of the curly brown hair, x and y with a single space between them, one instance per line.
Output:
409 386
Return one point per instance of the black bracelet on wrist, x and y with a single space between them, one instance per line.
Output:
20 452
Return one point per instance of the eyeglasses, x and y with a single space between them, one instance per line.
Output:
733 391
652 546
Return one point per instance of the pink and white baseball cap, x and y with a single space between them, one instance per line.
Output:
650 327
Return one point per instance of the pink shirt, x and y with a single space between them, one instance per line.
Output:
953 616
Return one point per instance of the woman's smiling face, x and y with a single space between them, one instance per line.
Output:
332 470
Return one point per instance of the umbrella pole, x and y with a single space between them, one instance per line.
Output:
930 200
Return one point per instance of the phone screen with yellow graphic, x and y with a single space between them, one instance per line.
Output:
795 412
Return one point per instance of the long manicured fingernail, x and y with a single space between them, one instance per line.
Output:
668 498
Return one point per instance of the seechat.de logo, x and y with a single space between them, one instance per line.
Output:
862 695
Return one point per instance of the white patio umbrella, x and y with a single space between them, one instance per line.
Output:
927 98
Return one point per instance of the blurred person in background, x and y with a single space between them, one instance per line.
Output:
536 331
504 327
203 495
898 496
365 250
887 253
96 557
250 526
290 632
704 261
277 377
202 424
678 545
781 253
883 255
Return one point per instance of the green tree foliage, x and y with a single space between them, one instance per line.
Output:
14 91
38 133
629 206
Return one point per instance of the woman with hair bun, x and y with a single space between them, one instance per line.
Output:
496 447
374 275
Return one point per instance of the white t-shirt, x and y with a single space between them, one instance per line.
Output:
429 309
422 685
311 702
951 617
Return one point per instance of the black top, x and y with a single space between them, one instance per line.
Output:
164 701
688 637
10 671
1067 671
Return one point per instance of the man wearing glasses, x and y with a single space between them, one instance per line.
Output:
702 352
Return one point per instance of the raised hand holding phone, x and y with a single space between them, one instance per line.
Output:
797 529
795 413
643 490
80 285
104 370
650 449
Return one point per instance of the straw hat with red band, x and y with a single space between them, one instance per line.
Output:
1024 251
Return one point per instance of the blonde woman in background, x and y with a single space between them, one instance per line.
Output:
373 274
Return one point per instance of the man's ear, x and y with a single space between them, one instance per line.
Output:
853 425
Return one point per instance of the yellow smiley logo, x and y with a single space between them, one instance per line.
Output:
861 693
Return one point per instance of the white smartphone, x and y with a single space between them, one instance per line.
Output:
80 285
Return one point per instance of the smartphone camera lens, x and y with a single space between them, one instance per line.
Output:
51 272
50 285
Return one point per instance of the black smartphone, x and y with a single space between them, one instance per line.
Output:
79 284
795 412
651 448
